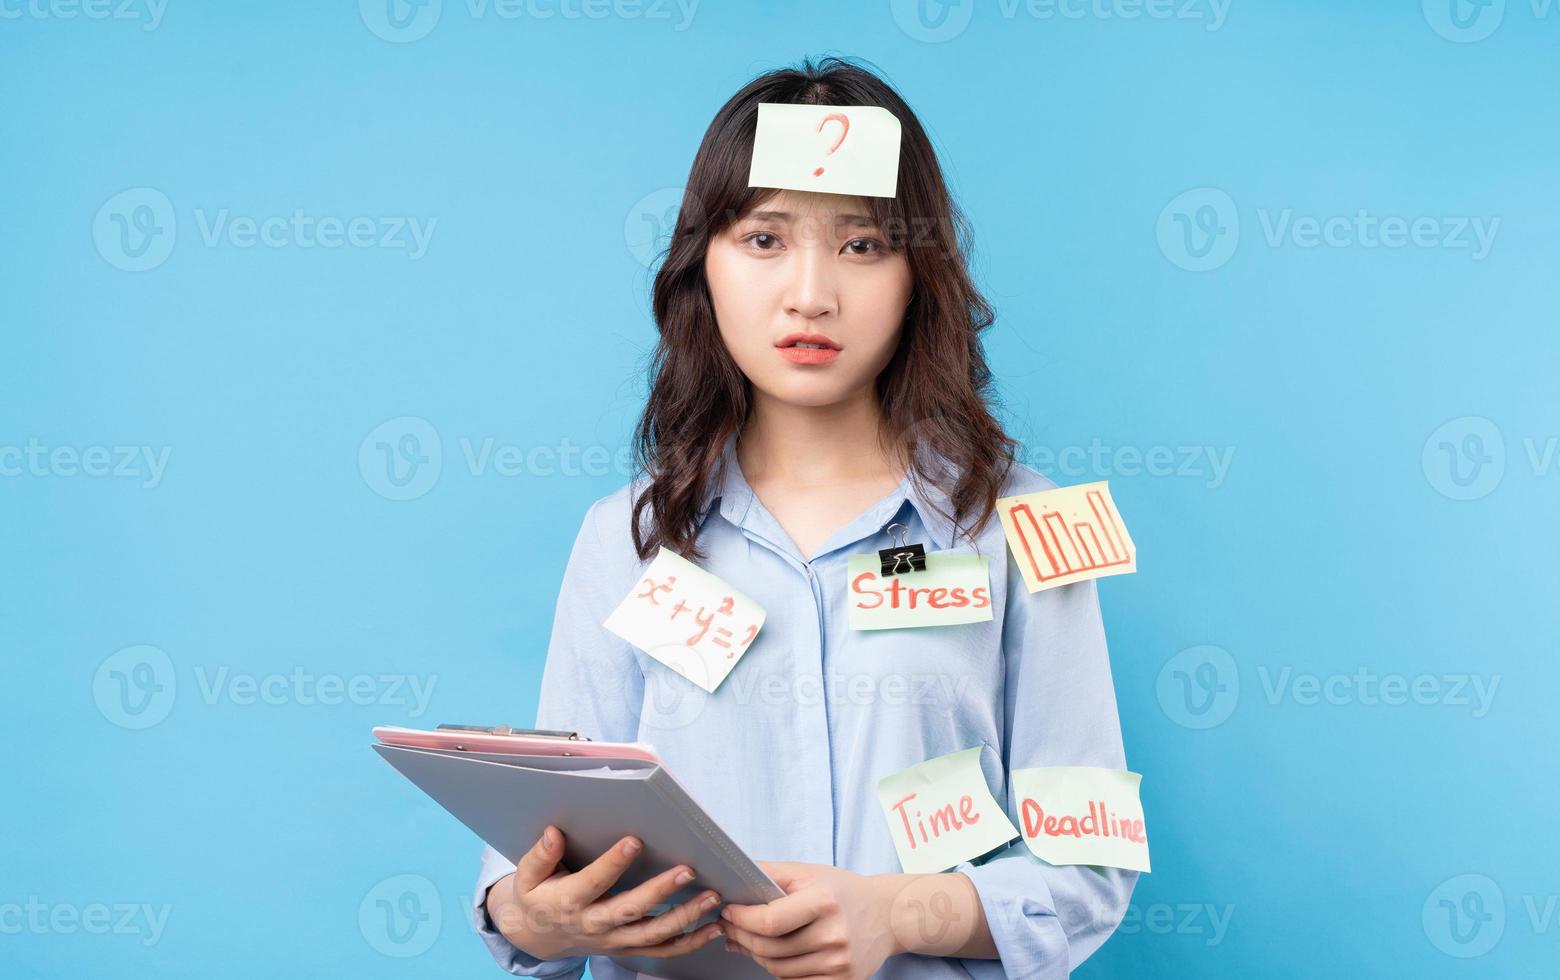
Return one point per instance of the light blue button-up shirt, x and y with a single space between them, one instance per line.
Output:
787 752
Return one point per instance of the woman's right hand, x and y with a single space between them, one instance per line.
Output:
551 913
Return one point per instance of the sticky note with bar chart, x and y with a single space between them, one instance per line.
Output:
1066 535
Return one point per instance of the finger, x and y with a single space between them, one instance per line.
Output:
781 916
817 964
656 929
798 943
637 902
686 943
538 864
785 873
592 881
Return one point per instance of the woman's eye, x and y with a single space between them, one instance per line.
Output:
762 240
863 246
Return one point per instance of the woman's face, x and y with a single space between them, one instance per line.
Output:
809 298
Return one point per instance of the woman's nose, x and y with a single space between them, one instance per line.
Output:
811 291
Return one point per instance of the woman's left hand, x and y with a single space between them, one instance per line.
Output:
831 923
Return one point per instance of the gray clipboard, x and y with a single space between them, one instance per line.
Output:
508 800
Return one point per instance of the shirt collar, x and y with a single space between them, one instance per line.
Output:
730 489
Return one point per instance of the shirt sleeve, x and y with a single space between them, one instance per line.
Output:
591 684
1060 710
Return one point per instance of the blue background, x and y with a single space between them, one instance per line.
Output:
1357 393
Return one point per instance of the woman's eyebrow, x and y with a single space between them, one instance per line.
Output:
784 217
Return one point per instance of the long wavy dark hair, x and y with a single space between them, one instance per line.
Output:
935 390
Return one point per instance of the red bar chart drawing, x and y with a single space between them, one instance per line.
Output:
1066 535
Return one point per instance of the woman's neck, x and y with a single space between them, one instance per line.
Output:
805 445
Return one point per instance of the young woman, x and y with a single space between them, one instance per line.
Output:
819 378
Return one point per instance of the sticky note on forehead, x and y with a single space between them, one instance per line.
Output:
830 149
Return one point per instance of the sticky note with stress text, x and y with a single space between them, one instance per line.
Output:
831 149
1066 535
687 619
955 588
1082 815
941 812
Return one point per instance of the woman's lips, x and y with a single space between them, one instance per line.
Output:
807 348
809 355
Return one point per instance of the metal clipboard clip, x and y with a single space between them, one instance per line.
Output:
508 730
902 558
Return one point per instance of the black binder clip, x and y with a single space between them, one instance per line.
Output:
901 558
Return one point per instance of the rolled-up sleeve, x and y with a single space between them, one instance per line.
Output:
1060 707
591 684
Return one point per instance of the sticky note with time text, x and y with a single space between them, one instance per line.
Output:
941 812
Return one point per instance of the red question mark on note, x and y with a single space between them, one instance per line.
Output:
844 122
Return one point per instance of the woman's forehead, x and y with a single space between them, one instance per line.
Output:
810 206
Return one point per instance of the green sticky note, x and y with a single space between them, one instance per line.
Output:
941 812
954 589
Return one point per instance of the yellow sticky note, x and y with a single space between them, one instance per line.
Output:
955 588
688 619
1083 815
831 149
1066 535
941 812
